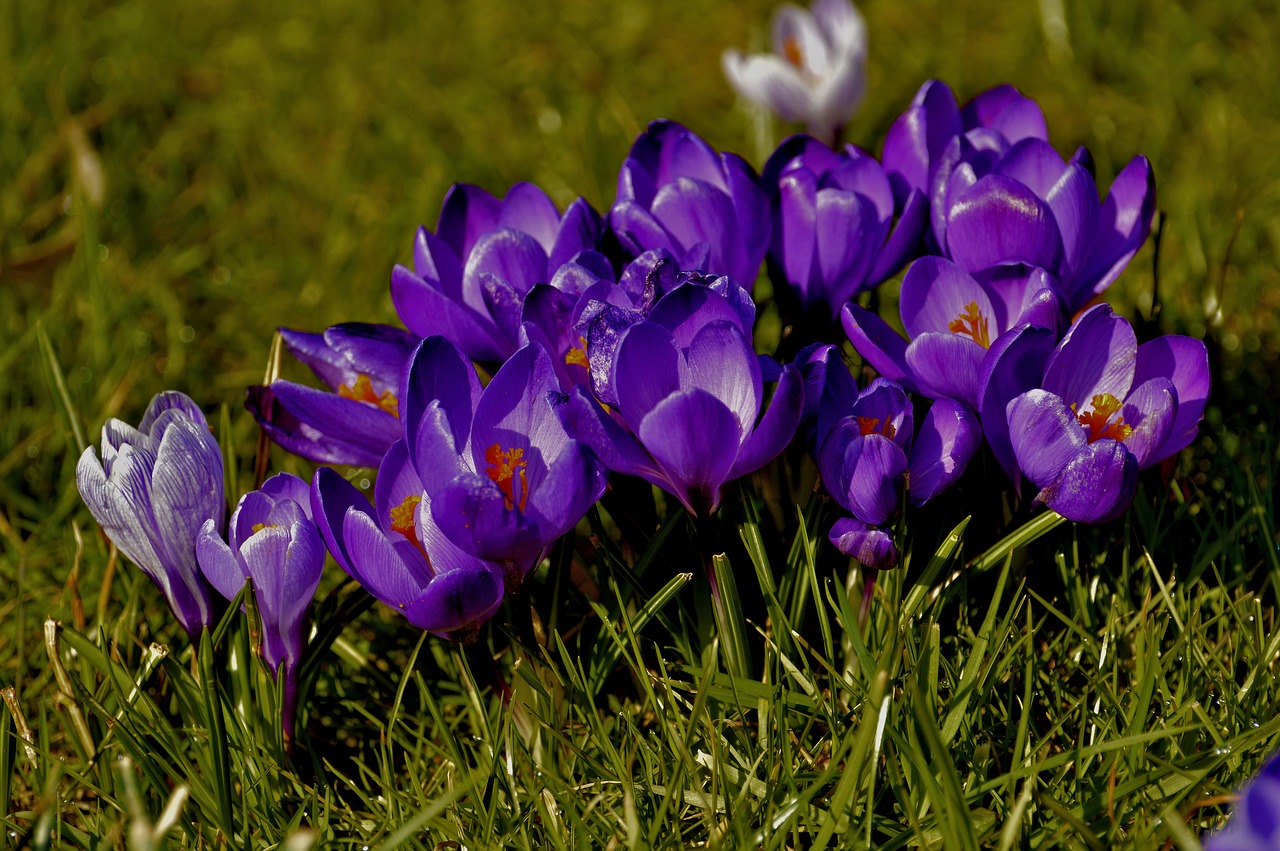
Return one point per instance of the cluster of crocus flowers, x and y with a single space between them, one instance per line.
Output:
624 345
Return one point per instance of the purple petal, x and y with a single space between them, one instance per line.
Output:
283 486
1007 110
694 212
1045 435
885 409
378 351
513 412
722 362
948 438
574 481
586 422
468 212
1096 486
867 545
375 563
437 264
638 231
998 220
1123 226
1013 365
580 230
331 498
457 601
903 240
646 370
1150 410
777 427
510 255
1185 362
879 345
526 208
1098 355
946 366
357 426
472 511
426 311
917 137
439 373
872 474
692 435
936 292
795 226
218 563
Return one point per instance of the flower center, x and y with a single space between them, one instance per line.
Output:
972 324
791 51
404 519
362 390
871 425
1097 419
258 527
577 356
504 466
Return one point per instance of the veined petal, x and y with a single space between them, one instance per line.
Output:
722 362
1097 485
1098 355
873 469
948 438
515 257
1151 411
620 452
868 545
426 311
946 366
1185 362
937 293
646 370
1123 226
691 434
1045 435
457 601
218 563
526 208
879 345
1013 365
468 212
998 220
777 427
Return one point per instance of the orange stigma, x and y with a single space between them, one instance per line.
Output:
972 324
504 465
791 51
871 425
1096 420
404 519
362 390
577 356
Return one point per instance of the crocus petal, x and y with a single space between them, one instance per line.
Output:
777 426
695 212
1185 362
438 371
1123 226
1005 109
579 230
513 412
722 362
917 137
377 565
769 81
937 292
467 213
585 421
903 240
574 481
472 511
638 231
287 486
1150 410
427 311
378 351
794 228
1096 486
331 498
527 209
688 434
1045 435
879 345
1098 355
456 600
867 545
885 409
998 220
510 255
646 370
946 366
218 563
1013 365
873 468
343 421
948 438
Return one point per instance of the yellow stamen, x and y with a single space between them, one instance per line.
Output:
258 527
361 390
1096 420
405 521
504 465
871 425
577 356
791 51
972 324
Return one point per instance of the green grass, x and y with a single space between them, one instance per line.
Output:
175 182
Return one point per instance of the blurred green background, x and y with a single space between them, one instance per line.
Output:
176 180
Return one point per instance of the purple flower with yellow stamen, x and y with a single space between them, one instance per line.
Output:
1105 409
503 478
834 229
675 192
817 71
274 543
687 390
1255 820
399 555
152 490
356 419
999 193
953 320
470 277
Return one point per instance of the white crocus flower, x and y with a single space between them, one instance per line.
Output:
817 71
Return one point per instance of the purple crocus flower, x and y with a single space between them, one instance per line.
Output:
398 554
999 193
1106 408
867 449
817 71
676 193
1255 822
503 478
687 388
834 232
152 490
356 419
471 276
274 543
954 322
